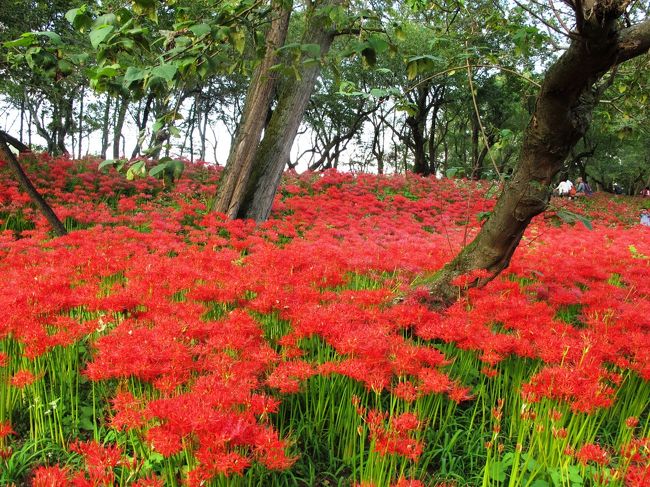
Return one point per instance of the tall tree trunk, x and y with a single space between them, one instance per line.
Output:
420 165
273 153
378 148
81 122
203 132
22 117
106 126
142 126
25 182
121 106
417 124
235 176
561 117
475 145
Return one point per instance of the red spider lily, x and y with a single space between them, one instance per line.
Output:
592 453
174 296
403 482
54 476
130 412
99 462
22 378
6 429
150 481
393 435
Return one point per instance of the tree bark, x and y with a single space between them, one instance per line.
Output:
25 182
105 126
120 108
273 152
259 97
561 117
81 122
142 126
417 124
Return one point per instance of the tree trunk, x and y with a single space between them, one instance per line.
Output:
475 145
120 108
81 122
22 116
561 117
273 152
417 124
105 126
420 165
259 97
142 126
25 182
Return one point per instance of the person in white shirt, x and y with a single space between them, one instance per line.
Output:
564 188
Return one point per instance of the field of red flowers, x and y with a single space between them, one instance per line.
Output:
160 344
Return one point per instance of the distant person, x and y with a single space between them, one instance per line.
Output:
564 188
583 188
645 192
617 188
645 217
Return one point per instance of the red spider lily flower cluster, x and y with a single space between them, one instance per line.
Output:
392 434
218 318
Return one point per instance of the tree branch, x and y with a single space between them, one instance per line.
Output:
28 187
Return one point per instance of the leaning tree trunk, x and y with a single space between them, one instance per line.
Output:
273 153
561 117
25 182
259 97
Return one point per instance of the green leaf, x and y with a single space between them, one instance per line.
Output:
106 19
134 74
200 30
24 40
411 70
165 71
338 14
497 471
238 39
312 49
107 71
378 44
574 475
98 35
147 8
53 37
452 171
571 217
65 67
400 35
79 18
157 169
86 424
556 477
73 13
137 169
107 162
